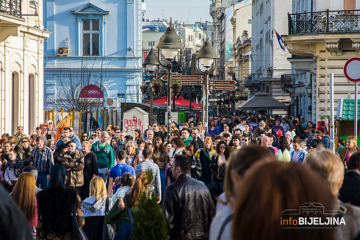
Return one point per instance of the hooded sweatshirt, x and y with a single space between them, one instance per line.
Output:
90 208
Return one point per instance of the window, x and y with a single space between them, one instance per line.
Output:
91 37
151 43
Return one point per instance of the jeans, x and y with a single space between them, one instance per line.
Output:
101 173
41 179
162 177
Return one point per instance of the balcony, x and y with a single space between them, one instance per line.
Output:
11 7
342 21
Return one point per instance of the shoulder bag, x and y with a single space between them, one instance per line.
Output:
77 233
108 230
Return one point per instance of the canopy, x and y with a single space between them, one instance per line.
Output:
261 101
179 101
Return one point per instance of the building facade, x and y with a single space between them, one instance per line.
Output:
321 45
96 50
269 61
22 37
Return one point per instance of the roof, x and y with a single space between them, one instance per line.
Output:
346 109
196 29
90 8
155 26
261 101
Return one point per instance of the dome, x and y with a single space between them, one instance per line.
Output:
196 29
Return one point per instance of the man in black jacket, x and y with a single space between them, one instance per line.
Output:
195 136
350 190
182 199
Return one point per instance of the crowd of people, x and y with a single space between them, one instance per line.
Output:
230 181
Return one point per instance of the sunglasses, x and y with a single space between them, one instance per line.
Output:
117 132
85 136
222 147
25 141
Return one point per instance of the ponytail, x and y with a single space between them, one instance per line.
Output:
127 179
140 186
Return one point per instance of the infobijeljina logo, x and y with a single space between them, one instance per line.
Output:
312 215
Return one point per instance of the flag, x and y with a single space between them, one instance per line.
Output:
280 41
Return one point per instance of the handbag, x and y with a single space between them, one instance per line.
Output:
77 233
108 230
126 228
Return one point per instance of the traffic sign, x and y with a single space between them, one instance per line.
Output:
352 69
192 82
190 77
222 87
222 82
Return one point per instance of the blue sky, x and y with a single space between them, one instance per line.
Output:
183 10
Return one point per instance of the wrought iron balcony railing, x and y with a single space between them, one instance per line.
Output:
342 21
12 7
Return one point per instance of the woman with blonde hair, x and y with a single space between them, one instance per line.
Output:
226 130
351 147
122 215
94 209
131 155
205 156
24 195
201 131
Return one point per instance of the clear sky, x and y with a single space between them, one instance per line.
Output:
187 11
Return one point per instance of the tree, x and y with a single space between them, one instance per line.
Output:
149 223
71 81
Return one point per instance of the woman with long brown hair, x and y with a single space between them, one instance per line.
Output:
122 215
236 167
24 195
285 186
222 155
161 159
350 148
178 147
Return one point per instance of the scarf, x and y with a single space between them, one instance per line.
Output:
187 142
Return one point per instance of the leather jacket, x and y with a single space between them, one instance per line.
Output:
196 172
188 209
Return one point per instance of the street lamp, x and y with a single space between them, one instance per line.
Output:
309 90
206 55
169 45
151 64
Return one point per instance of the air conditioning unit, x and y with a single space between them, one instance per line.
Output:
111 102
63 51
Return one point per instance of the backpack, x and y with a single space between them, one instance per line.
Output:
126 228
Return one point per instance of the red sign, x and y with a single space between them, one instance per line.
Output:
91 91
352 69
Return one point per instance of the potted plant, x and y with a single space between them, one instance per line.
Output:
144 89
156 87
175 87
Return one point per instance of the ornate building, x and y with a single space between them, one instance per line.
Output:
22 37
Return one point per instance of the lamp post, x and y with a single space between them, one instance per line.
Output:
206 55
151 64
169 45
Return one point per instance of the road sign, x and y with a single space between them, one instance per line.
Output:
352 69
190 77
222 87
222 82
192 82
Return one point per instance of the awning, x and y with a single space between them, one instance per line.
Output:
179 101
261 101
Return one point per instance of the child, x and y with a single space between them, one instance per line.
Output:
298 155
127 182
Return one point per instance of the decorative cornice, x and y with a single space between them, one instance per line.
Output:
334 48
356 45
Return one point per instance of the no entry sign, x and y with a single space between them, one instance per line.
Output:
352 69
